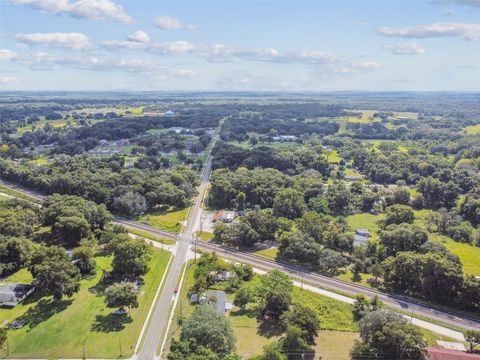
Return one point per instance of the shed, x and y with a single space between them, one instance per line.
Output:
13 294
219 300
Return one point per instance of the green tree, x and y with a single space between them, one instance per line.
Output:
305 318
404 237
289 203
361 306
293 341
398 214
386 335
70 229
275 294
243 296
240 201
121 296
130 256
84 260
54 273
190 349
3 337
339 199
272 351
473 338
210 329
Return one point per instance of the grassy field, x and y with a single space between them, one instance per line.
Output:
365 221
170 219
474 129
66 327
270 253
205 235
337 334
333 345
148 236
40 161
469 254
348 276
251 336
334 157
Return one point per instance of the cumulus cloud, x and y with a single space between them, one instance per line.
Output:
225 53
139 36
87 9
45 61
405 48
466 31
73 41
169 23
6 54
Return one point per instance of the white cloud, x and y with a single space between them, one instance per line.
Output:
473 3
169 48
7 79
6 54
123 45
73 41
169 23
462 30
182 72
139 36
88 9
405 48
44 61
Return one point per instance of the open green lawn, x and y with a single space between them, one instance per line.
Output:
469 254
64 328
40 161
205 235
474 129
334 157
348 276
170 219
270 253
335 345
365 221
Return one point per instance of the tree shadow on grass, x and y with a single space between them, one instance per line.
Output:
111 322
251 313
44 310
270 328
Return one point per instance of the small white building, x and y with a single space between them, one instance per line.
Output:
169 113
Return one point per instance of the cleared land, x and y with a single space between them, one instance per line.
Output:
66 327
170 219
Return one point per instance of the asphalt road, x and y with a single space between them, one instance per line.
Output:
155 331
315 279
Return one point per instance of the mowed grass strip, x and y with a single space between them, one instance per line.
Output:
65 328
170 219
149 236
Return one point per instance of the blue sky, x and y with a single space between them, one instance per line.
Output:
240 45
